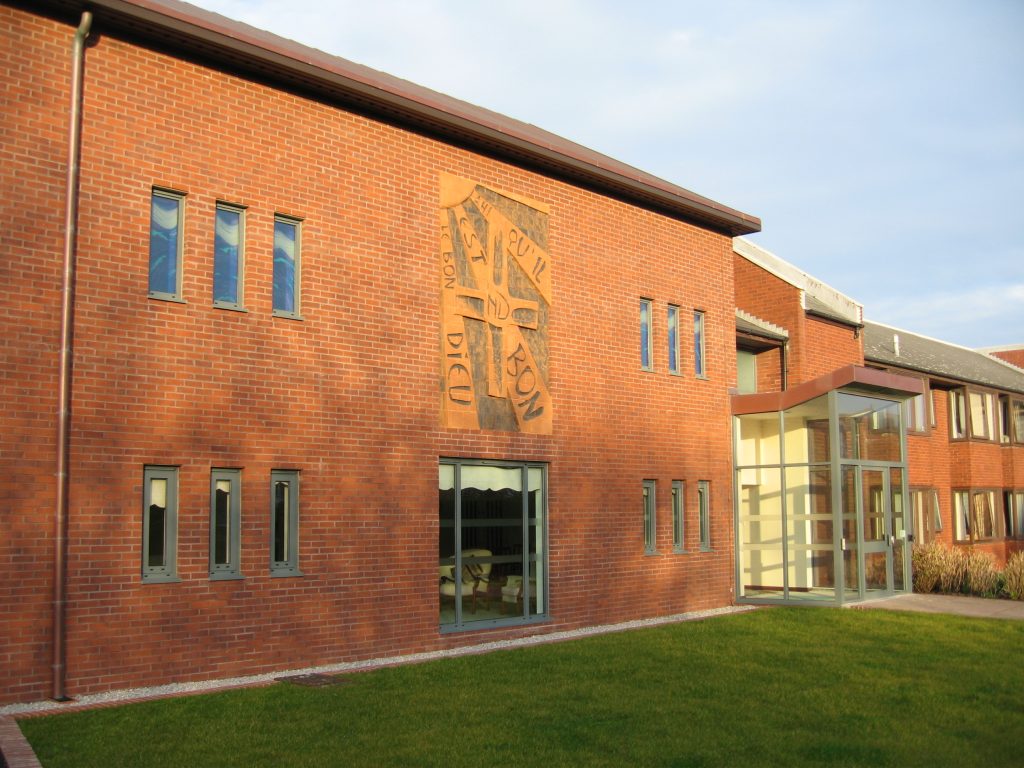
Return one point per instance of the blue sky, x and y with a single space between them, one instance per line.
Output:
881 143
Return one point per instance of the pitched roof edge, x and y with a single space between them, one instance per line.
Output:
456 119
837 305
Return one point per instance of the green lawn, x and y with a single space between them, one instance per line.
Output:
784 686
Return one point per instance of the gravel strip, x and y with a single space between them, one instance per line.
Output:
178 689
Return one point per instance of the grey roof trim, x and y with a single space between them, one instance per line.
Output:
752 324
818 298
939 358
256 52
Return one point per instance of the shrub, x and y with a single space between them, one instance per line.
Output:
1014 575
927 560
953 580
982 576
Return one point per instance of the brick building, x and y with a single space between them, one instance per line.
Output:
829 494
308 364
334 339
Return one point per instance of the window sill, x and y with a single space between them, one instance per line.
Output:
287 315
167 297
160 579
226 577
476 626
285 574
229 307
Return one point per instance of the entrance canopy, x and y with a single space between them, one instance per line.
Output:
820 483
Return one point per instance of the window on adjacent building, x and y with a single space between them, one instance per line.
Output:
927 518
228 256
678 505
225 523
284 523
704 513
646 362
975 513
1015 507
650 522
673 339
698 344
159 524
491 543
1017 420
166 225
287 266
981 414
915 412
958 414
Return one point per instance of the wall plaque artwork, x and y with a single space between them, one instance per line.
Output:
495 277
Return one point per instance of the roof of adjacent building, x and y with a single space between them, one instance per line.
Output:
186 30
818 298
903 349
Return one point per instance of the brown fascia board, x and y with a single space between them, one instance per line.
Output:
224 41
855 377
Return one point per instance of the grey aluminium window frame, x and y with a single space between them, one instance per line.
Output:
284 522
159 524
704 513
295 313
678 520
700 363
179 246
239 303
646 334
650 517
672 332
225 523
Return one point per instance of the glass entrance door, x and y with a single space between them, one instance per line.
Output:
875 528
874 532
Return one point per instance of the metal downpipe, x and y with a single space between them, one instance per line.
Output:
64 365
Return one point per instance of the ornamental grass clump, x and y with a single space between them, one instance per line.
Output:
928 561
953 580
982 578
1014 576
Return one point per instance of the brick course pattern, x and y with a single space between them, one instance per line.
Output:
347 395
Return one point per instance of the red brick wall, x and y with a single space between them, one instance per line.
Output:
1014 356
826 347
816 346
348 395
934 461
32 148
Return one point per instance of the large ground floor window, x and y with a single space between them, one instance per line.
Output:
491 542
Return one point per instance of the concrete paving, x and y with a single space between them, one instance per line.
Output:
976 607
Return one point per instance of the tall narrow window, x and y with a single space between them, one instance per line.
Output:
225 524
286 267
284 523
1017 420
981 414
228 241
914 414
166 222
704 513
698 345
159 524
927 519
678 543
958 414
1003 419
650 523
645 335
673 339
